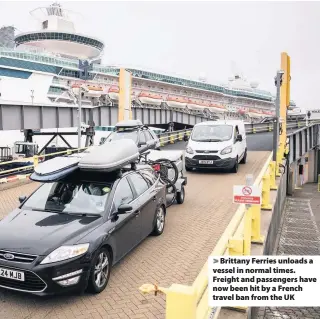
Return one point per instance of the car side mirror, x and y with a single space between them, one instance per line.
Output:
186 138
22 199
239 138
124 208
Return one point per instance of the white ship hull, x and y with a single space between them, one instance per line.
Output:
197 107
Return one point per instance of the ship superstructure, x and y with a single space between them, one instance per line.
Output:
44 67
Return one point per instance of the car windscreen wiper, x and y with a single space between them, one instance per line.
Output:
210 140
65 212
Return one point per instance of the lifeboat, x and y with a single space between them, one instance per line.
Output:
150 98
113 92
198 104
177 101
217 107
94 91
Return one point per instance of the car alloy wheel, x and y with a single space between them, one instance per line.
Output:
100 271
160 221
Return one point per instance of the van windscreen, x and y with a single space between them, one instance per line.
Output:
212 133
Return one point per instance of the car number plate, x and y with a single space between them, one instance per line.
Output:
205 162
11 274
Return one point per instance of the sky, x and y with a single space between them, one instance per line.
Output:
197 38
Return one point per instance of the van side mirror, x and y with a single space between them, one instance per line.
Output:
22 199
124 208
186 138
239 138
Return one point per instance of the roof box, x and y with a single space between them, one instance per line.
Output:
110 156
55 168
128 124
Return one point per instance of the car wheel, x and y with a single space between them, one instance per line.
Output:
188 169
236 166
100 271
160 221
244 159
181 195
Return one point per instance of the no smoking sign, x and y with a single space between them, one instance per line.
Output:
243 194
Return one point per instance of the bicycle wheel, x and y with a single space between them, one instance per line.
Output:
168 170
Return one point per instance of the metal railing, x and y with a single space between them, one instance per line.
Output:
164 138
191 302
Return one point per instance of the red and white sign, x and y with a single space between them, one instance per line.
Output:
243 194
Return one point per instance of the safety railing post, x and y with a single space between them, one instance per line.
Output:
171 138
256 236
236 246
161 141
266 193
247 232
35 160
269 128
180 136
272 170
181 302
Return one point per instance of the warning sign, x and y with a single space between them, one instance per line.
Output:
243 194
264 281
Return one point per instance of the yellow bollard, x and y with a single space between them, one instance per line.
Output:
319 183
188 133
269 128
172 139
180 136
236 247
247 232
161 141
266 193
181 302
272 170
279 159
254 130
35 160
256 236
69 152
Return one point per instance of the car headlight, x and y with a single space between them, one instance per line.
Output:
189 150
226 150
66 252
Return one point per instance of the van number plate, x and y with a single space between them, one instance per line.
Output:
11 274
205 162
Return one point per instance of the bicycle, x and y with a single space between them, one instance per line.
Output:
162 166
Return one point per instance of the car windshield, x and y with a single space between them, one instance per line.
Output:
68 197
115 136
212 133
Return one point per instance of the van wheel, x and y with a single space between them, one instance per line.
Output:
188 169
244 159
235 167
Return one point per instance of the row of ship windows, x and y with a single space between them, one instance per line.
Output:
70 73
59 36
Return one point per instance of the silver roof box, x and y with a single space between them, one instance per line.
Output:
129 124
110 156
56 165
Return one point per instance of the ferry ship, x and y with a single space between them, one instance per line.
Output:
43 67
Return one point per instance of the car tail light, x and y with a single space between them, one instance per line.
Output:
156 167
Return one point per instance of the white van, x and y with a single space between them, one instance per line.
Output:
217 144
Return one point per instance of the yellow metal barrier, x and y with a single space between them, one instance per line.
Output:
319 183
191 302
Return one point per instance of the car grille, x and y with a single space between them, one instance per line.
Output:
18 257
206 157
32 283
206 151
